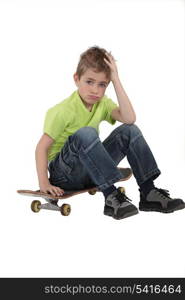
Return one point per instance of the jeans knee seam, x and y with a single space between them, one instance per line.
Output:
91 145
135 138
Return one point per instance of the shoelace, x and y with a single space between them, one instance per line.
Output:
165 193
121 197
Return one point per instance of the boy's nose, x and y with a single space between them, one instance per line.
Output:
94 90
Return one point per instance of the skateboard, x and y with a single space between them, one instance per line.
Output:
65 209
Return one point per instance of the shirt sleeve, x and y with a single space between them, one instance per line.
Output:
54 123
110 105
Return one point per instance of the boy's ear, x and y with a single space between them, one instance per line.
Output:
76 79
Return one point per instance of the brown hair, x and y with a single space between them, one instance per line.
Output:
93 58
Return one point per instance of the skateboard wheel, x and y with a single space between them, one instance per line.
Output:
121 189
92 192
35 206
65 209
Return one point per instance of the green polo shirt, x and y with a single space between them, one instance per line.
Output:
66 117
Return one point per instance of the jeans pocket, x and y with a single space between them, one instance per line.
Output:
58 181
67 160
56 171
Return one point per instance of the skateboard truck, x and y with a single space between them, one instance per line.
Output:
51 204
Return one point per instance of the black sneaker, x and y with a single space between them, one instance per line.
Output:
117 205
159 200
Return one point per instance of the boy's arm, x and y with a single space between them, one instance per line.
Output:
125 112
41 156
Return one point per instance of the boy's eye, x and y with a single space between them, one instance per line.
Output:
89 82
102 84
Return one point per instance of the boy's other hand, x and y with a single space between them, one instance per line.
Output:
51 189
111 62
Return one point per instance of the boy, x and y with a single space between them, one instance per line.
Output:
78 159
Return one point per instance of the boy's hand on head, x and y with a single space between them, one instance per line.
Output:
51 189
111 62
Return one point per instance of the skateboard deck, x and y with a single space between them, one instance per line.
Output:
65 209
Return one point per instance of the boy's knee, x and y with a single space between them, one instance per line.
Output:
86 134
130 129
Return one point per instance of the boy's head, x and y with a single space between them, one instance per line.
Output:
93 59
92 75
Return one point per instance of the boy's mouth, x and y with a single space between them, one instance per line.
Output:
93 97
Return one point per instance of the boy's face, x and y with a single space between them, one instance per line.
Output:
91 86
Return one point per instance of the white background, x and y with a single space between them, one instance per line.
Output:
41 42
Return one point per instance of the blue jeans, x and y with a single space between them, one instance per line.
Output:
85 161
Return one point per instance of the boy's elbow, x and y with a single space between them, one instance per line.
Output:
131 121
